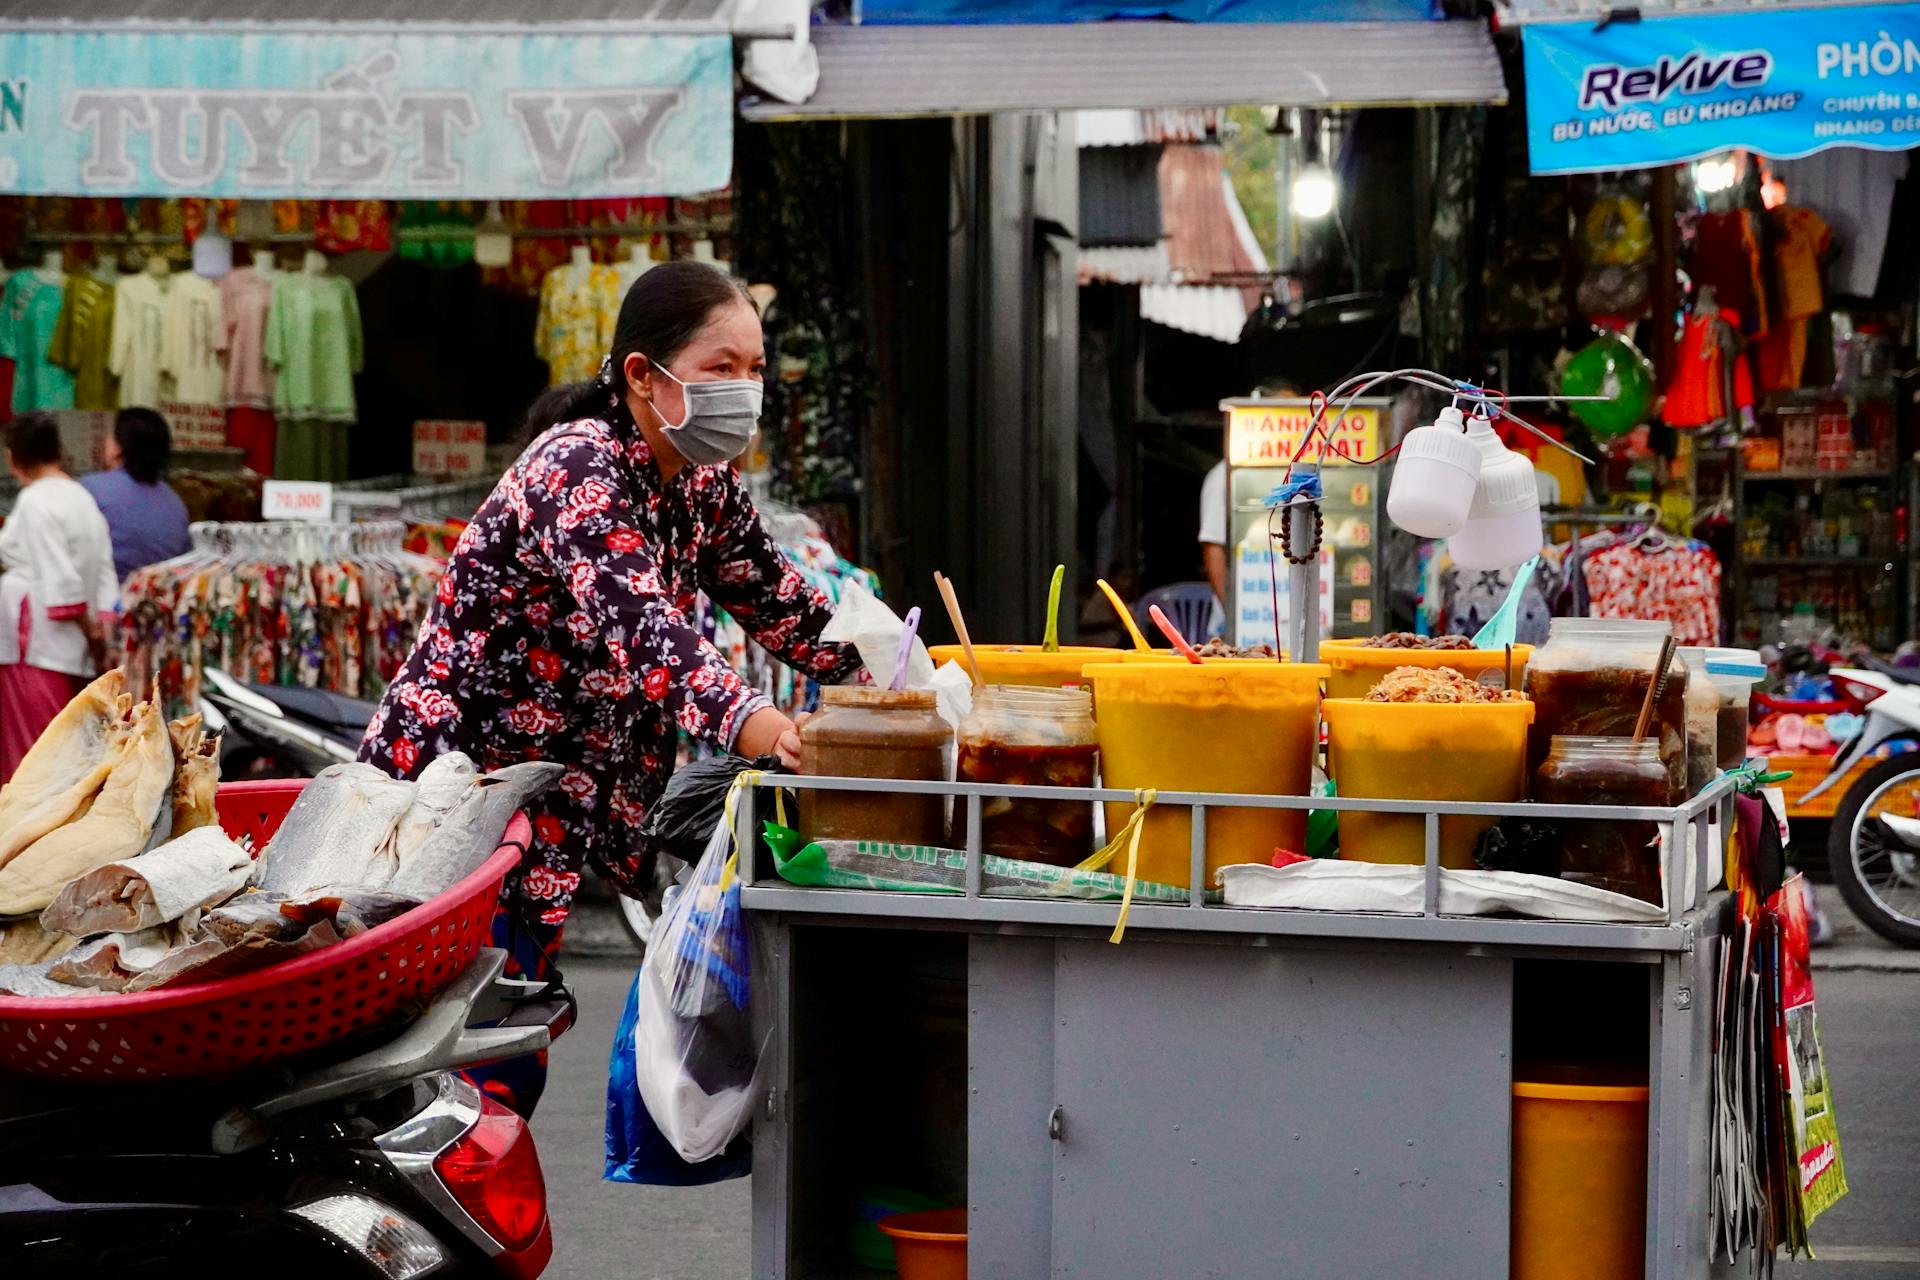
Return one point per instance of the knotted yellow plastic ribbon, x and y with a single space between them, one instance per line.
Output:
1129 835
741 781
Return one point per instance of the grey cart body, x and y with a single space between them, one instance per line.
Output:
1227 1092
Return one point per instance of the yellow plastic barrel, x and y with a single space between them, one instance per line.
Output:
1579 1181
1026 664
1423 751
1249 728
1357 668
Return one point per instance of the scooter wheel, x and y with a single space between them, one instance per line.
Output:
1880 884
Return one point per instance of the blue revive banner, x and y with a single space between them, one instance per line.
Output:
1781 82
368 116
989 12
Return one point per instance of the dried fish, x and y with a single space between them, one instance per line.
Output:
443 784
196 776
29 942
65 767
200 869
116 826
338 832
32 980
351 912
252 915
469 835
109 963
210 959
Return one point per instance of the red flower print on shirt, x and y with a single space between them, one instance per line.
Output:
432 706
827 660
444 592
540 883
578 785
589 498
701 680
790 584
554 915
604 684
556 479
439 670
406 754
693 719
624 542
549 829
736 572
580 625
546 664
531 717
657 683
540 614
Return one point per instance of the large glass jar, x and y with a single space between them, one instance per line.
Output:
1590 679
1623 856
1030 737
875 733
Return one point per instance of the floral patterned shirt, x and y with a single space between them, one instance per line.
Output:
562 631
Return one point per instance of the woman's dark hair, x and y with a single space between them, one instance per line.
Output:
660 315
145 443
34 440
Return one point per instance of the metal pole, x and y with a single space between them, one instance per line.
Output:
1303 585
1197 860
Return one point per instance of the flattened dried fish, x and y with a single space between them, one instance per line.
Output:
64 768
196 776
199 869
442 785
28 942
469 835
116 827
208 959
109 963
338 832
32 980
252 915
351 912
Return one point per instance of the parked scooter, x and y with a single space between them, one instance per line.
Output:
268 731
383 1162
1873 843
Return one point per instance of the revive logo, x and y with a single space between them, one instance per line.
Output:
1613 86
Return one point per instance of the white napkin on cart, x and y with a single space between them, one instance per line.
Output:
1330 884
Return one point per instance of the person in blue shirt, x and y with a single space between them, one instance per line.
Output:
145 517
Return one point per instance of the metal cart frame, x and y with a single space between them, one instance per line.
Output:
1120 1098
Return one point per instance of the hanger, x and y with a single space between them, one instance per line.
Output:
1653 538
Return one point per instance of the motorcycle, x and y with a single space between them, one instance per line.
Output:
1873 842
270 731
381 1161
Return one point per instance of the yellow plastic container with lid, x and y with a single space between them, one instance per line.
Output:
1423 751
1026 664
1356 668
1579 1179
1244 727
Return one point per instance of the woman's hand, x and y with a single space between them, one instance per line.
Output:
768 732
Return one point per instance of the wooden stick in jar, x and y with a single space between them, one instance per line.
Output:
959 625
1655 688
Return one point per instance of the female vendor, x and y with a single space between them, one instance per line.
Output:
563 629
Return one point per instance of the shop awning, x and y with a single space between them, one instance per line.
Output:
881 71
364 99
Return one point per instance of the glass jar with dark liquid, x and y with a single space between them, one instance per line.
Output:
1617 854
1024 737
1590 679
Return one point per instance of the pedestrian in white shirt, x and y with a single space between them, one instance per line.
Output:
57 558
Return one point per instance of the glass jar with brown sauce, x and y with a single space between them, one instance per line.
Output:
1590 679
1023 737
875 733
1619 855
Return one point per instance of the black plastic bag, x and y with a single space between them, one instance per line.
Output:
682 820
1520 844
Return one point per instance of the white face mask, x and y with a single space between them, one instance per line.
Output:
720 419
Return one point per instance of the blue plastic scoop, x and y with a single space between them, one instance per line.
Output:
1500 628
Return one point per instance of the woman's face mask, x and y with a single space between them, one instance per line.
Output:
720 418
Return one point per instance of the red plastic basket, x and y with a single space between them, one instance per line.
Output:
234 1024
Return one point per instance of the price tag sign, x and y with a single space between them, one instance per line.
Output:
196 426
449 447
296 500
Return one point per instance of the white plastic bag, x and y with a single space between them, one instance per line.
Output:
862 621
696 1059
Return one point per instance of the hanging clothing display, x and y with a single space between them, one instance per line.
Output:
313 340
1852 189
137 353
83 342
191 334
1726 256
246 296
1697 395
321 606
578 306
29 313
310 449
257 432
1667 581
1801 239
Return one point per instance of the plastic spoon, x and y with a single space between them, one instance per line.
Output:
908 631
1505 622
1172 633
1126 617
959 626
1051 642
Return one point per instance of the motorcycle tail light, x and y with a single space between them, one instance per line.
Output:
1856 693
493 1170
394 1244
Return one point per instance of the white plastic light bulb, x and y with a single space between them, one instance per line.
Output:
1313 192
1434 477
1503 529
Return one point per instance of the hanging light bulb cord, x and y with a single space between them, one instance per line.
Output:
1495 403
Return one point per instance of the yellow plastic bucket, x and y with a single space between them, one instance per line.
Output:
1246 727
1168 655
1025 664
1423 751
1356 668
1579 1181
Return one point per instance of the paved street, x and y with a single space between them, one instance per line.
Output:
1870 1022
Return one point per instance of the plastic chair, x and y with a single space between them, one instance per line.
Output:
1188 605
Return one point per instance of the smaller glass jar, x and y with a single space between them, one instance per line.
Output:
1623 856
875 733
1703 722
1029 737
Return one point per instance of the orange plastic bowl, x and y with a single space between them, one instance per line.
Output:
930 1245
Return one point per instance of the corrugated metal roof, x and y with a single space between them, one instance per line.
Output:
1121 128
969 70
1214 311
1120 196
1203 240
1124 264
688 16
